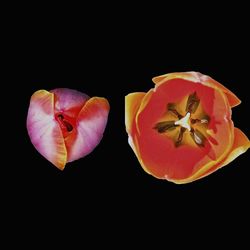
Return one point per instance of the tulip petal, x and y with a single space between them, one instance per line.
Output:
90 126
69 101
210 82
166 77
132 104
203 79
241 145
143 105
44 132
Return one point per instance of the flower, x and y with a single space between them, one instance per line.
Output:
65 125
182 129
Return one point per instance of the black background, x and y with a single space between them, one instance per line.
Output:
111 54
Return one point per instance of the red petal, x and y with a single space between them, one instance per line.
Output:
241 144
199 78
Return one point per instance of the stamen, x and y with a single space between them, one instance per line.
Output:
204 121
171 108
162 127
180 137
60 116
198 137
193 121
68 126
64 123
192 103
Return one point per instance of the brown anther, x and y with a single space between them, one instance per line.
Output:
65 123
60 116
162 127
198 137
68 126
180 137
192 103
193 121
171 108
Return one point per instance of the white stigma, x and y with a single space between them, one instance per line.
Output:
184 122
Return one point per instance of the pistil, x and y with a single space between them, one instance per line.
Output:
184 122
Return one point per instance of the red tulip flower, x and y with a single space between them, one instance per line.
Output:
65 125
182 129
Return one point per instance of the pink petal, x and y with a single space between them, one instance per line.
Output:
91 124
69 101
44 131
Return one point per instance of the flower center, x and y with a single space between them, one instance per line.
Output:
65 124
194 123
184 122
